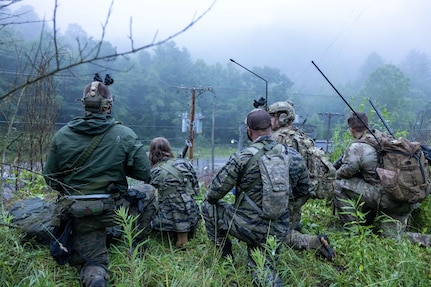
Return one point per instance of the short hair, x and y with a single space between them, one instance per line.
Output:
358 121
159 150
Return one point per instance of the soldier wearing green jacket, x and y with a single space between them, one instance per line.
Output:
97 182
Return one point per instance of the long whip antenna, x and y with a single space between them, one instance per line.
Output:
335 89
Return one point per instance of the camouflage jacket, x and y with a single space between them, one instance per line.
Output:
180 176
322 171
227 178
294 138
359 160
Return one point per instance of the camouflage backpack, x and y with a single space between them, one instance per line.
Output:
176 175
402 168
322 171
274 173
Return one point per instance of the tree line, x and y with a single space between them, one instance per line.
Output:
152 89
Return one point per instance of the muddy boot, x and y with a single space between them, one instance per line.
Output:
321 244
182 239
225 247
94 276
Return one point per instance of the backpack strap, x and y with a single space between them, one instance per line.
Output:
243 193
264 149
165 169
82 158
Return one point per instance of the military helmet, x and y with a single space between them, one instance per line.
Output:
284 110
96 96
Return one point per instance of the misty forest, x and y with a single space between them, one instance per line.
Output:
156 87
153 87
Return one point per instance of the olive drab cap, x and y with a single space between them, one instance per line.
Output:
284 110
96 96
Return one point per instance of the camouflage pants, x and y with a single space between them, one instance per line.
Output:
178 212
89 239
146 207
222 220
295 214
377 203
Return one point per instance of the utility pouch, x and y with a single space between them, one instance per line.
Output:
61 211
91 207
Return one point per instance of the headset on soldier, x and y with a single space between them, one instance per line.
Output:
285 112
97 97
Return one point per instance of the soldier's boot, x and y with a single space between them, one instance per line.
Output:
225 247
94 276
321 244
265 276
182 239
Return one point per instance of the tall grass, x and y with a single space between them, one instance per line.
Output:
363 258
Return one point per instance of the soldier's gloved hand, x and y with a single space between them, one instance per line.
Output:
337 164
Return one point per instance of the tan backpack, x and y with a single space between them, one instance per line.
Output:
402 168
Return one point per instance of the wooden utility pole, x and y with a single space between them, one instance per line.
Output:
195 93
191 124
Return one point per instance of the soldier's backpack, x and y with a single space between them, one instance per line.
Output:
322 171
33 217
181 178
402 168
273 164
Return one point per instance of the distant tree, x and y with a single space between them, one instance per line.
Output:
371 63
279 83
417 66
32 85
96 51
388 87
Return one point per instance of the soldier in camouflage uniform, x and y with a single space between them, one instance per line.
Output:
282 117
241 220
90 191
357 178
177 184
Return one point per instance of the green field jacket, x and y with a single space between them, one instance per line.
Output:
119 155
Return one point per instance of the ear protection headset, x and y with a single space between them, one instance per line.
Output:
283 119
93 101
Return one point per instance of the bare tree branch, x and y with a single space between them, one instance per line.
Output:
54 20
92 57
102 38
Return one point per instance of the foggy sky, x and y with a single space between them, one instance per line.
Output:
285 34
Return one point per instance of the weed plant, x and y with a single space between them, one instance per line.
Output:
363 258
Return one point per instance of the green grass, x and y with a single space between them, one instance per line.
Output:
363 259
360 261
